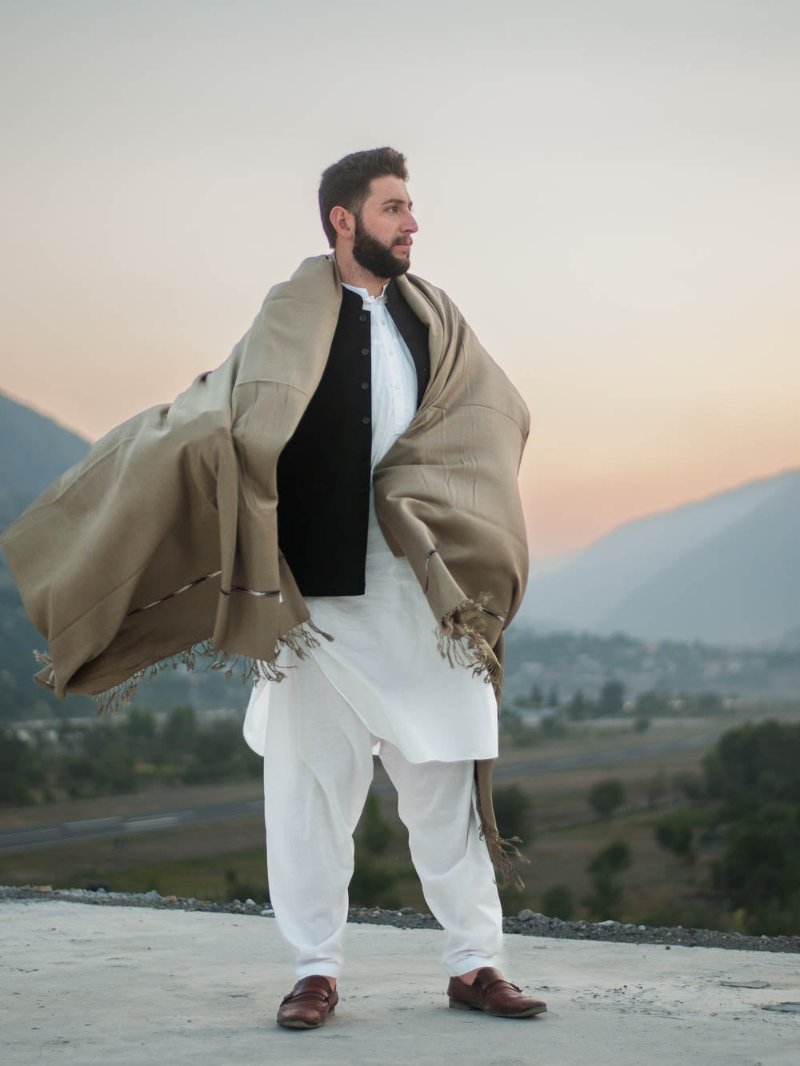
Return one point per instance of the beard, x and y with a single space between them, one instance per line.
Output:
376 257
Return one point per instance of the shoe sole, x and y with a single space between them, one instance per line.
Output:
298 1023
530 1012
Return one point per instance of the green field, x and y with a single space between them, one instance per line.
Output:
226 859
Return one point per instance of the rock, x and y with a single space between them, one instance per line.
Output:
525 915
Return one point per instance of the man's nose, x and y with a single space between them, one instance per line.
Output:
410 224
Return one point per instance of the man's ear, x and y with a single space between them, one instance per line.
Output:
343 222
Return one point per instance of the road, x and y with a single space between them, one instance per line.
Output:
120 825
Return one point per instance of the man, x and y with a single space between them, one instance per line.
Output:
380 685
333 508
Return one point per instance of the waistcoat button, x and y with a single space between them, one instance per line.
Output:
365 351
365 421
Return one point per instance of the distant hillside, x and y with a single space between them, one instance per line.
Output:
723 570
35 452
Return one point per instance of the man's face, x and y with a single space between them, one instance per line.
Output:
384 227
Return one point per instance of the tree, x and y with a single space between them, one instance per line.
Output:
650 704
675 833
612 699
216 753
374 879
552 697
690 784
613 859
552 725
374 833
709 703
752 771
761 863
755 764
180 730
96 761
140 724
558 902
21 770
512 808
656 788
606 797
605 901
578 707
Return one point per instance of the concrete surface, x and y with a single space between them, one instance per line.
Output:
137 987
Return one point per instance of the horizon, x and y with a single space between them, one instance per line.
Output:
607 192
552 560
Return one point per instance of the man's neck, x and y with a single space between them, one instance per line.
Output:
352 273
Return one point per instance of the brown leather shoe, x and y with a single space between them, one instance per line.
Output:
308 1004
492 994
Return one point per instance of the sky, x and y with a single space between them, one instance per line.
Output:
608 189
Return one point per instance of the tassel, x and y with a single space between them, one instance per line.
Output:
299 639
462 643
505 856
503 852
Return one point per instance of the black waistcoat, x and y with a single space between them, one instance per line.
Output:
324 471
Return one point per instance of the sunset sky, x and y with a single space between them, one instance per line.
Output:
607 188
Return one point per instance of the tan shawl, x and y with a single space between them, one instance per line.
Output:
162 543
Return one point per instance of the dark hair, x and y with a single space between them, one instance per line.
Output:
346 183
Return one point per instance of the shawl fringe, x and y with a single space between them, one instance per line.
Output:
505 856
503 852
299 639
460 640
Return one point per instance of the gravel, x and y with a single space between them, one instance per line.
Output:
526 923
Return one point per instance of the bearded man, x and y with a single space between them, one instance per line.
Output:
336 506
380 685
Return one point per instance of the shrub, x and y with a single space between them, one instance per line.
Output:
606 797
558 902
675 833
512 808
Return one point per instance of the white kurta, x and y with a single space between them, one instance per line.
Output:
383 659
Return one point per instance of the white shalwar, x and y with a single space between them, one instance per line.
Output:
380 686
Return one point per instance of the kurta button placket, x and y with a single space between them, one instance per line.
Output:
363 406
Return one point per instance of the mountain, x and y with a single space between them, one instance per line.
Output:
35 450
723 570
